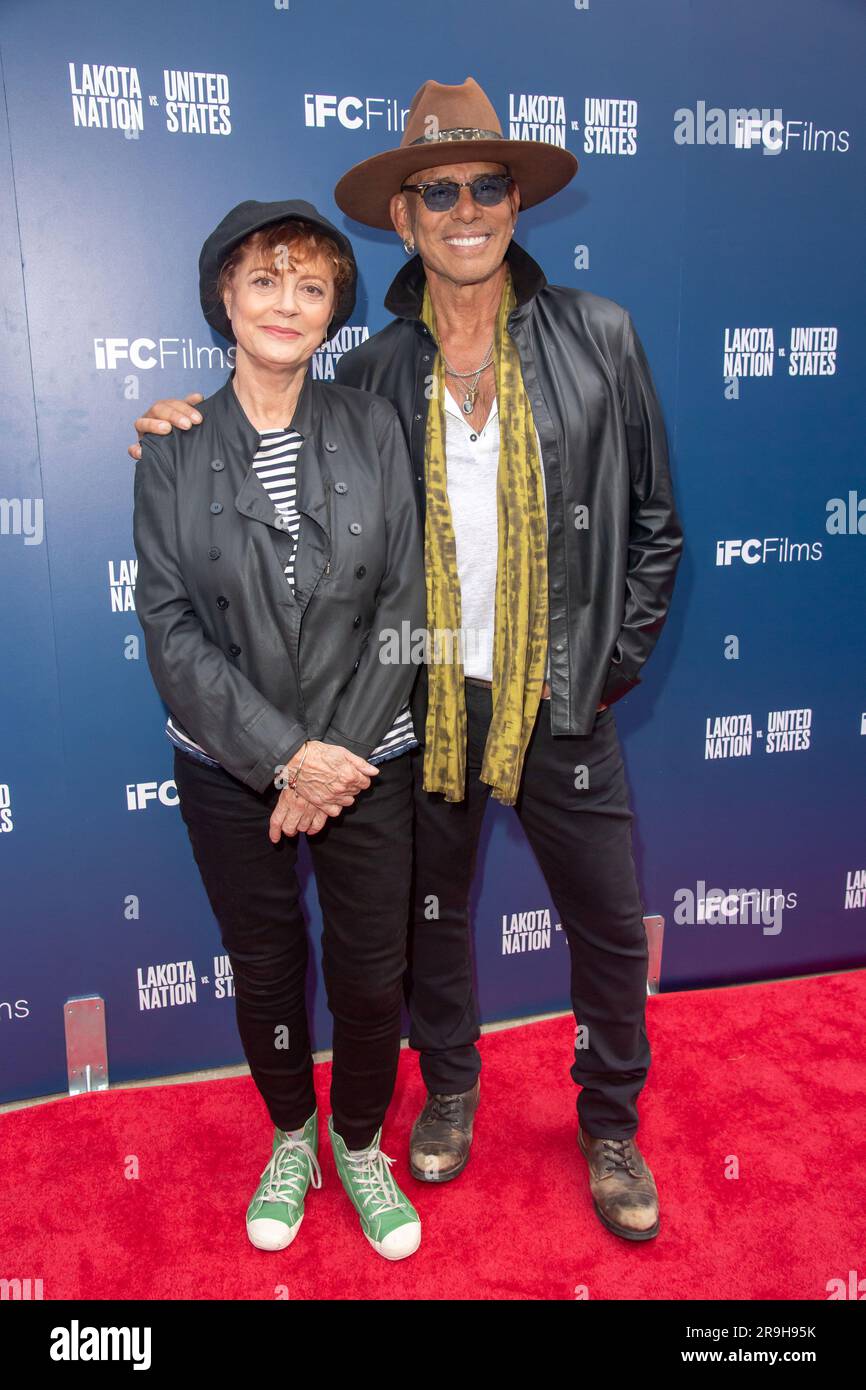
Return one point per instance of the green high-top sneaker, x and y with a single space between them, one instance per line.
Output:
276 1211
388 1219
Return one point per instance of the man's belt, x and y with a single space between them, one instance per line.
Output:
476 680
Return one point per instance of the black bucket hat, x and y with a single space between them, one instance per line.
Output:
240 223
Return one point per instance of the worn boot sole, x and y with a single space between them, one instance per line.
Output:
436 1177
612 1226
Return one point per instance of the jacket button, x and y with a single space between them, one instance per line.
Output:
356 621
557 587
559 647
418 478
222 601
281 522
341 488
214 553
360 571
234 650
426 357
217 465
417 417
331 446
216 508
355 527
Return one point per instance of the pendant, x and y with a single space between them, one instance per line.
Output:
469 403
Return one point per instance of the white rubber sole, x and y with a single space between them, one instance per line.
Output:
412 1240
266 1234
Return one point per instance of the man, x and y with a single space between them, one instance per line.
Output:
551 547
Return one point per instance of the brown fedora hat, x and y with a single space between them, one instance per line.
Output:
451 125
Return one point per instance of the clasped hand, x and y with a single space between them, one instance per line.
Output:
330 780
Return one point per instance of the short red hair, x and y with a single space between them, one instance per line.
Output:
301 241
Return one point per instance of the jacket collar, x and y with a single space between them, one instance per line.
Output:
406 291
242 441
240 433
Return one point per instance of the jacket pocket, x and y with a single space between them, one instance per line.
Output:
617 682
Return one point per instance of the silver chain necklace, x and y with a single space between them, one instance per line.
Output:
468 405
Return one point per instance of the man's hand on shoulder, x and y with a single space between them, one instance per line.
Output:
165 416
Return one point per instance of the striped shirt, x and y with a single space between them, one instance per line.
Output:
275 465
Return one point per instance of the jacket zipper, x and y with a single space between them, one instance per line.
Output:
330 525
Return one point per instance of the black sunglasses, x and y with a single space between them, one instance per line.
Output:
486 189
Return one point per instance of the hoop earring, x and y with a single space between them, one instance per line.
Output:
408 246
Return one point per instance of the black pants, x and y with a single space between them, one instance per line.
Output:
362 862
582 840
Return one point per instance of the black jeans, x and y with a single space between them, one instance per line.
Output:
362 861
582 840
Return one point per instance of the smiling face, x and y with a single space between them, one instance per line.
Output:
280 302
467 244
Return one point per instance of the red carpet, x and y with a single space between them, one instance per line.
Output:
771 1074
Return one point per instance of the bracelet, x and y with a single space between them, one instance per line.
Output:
293 778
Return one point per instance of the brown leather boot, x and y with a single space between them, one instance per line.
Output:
441 1137
623 1188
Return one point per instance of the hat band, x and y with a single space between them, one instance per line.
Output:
458 133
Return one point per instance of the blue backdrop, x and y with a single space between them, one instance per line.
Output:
720 198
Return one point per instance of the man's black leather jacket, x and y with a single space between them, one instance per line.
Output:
248 671
614 534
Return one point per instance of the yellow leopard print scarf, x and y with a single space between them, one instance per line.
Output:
521 626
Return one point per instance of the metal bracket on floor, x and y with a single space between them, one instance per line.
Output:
86 1047
655 931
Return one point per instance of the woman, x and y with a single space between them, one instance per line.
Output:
278 546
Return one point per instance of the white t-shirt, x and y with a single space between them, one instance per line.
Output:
472 462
